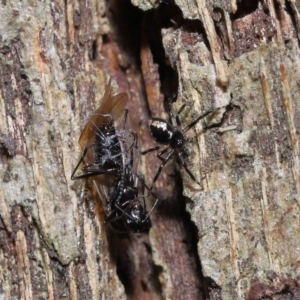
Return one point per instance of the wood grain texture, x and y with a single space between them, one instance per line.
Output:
52 245
246 212
233 236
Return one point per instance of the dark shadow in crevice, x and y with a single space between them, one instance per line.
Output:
245 8
125 21
293 14
127 33
131 252
123 250
169 17
153 22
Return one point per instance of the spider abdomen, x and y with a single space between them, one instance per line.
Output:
161 131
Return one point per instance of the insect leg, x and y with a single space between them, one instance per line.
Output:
123 212
112 171
90 171
94 173
73 177
111 218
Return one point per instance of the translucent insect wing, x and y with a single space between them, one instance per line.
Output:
110 105
113 105
101 184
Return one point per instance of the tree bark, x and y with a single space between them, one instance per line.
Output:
232 234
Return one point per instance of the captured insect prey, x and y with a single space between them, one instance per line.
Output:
110 157
172 137
127 209
99 140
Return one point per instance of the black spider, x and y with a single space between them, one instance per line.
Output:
173 137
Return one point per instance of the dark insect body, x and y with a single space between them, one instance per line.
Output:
108 157
129 213
99 140
173 137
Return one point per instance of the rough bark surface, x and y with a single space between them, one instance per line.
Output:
233 234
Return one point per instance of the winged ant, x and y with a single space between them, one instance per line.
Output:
172 137
108 157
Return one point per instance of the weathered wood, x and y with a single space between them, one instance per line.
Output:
52 244
234 236
258 199
247 208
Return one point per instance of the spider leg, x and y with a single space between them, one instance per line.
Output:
150 150
164 161
178 113
141 178
181 109
193 123
153 195
182 161
161 153
178 123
